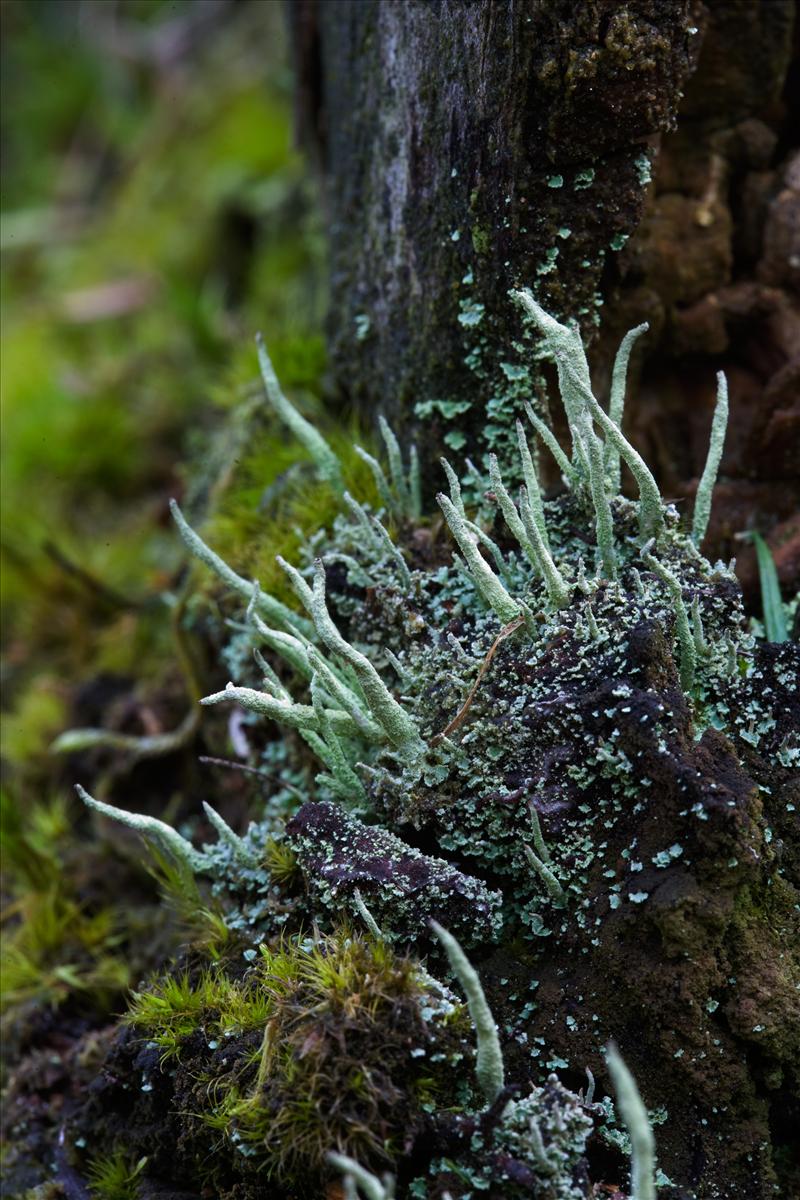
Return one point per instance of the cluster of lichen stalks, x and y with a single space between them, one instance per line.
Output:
390 758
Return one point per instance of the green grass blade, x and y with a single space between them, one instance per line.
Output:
771 603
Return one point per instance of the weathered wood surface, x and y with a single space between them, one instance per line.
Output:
469 147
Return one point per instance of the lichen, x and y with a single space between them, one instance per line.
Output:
559 743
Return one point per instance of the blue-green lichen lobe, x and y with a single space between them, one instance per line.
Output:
562 739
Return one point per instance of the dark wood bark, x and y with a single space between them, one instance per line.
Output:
629 160
468 148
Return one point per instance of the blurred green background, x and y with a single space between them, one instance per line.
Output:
154 215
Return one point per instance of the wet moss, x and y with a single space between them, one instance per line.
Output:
337 1042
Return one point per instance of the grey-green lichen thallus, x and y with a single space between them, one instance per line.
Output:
548 744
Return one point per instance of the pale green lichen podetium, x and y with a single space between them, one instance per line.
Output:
342 781
545 873
324 458
616 400
529 537
398 726
591 458
565 346
238 847
379 475
372 1187
686 642
705 488
547 436
402 496
305 658
399 481
135 747
540 1155
698 633
634 1114
489 1068
270 608
366 915
163 835
566 349
296 716
651 508
487 583
458 503
532 484
393 551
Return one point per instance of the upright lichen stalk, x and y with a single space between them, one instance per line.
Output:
324 457
637 1122
705 488
489 1068
398 726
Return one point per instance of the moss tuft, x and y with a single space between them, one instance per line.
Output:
350 1045
114 1177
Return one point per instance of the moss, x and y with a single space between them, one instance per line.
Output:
113 1176
281 862
480 240
346 1024
330 1043
38 714
54 947
174 1008
271 498
59 950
